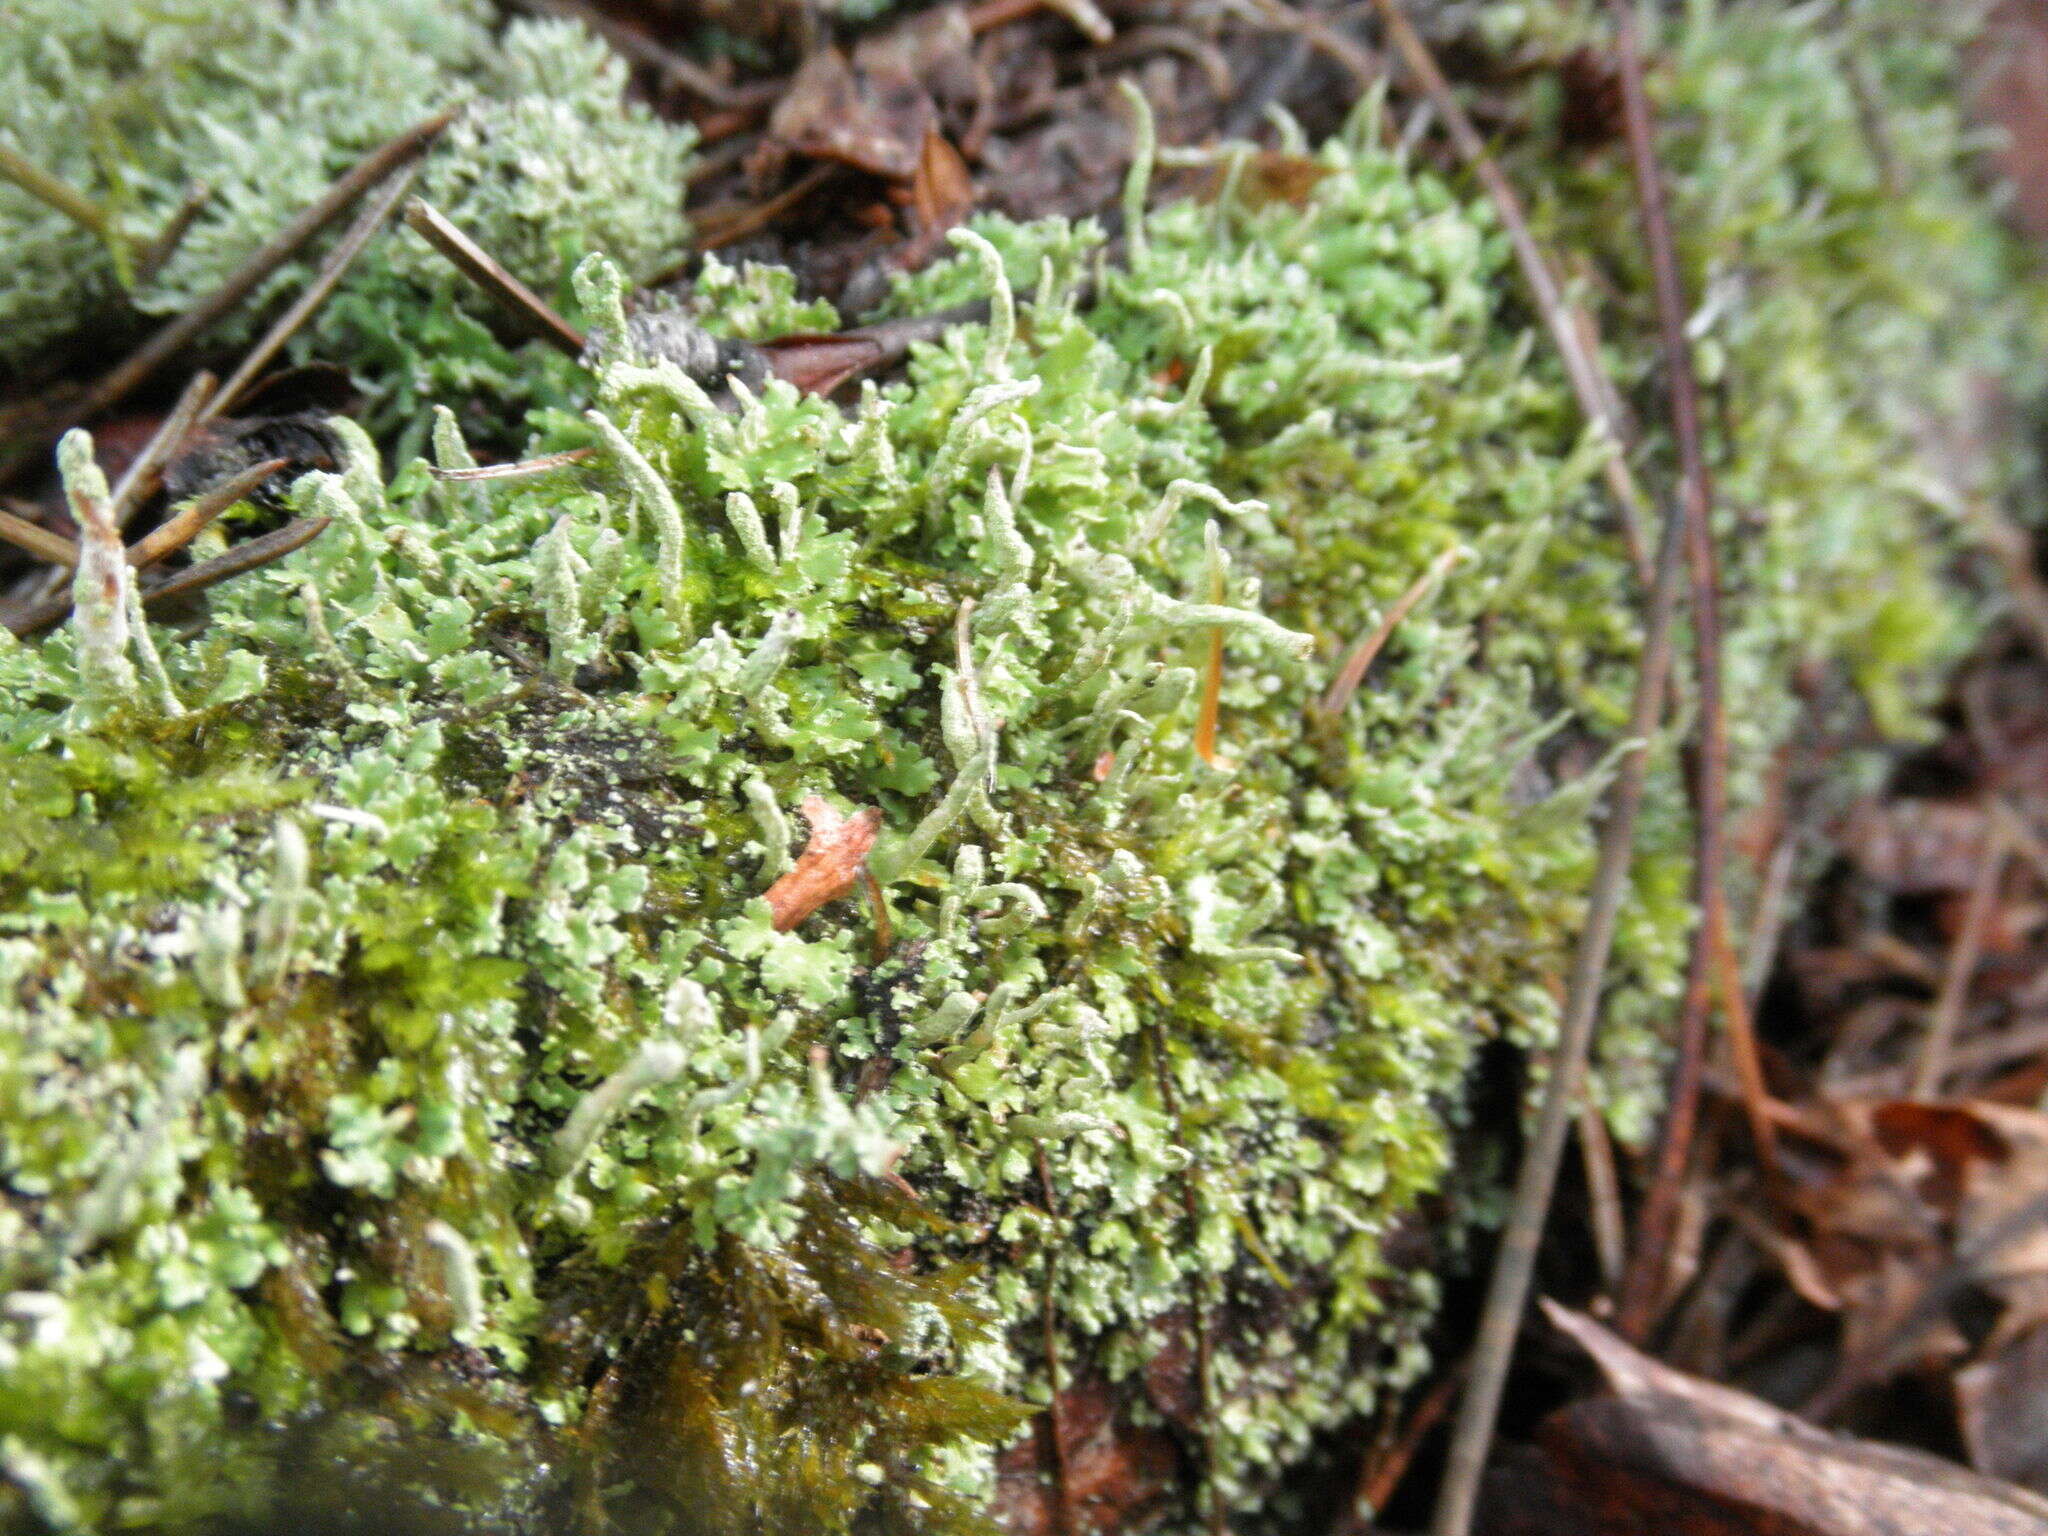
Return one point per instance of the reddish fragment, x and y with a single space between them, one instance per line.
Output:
831 861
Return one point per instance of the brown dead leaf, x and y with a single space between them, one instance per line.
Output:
828 866
873 121
1918 846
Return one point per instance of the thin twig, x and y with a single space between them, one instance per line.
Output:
37 540
1956 1276
722 226
1346 53
1963 955
1514 1264
372 218
1742 1046
250 556
532 312
1352 673
186 524
1710 759
139 481
516 471
244 280
238 559
1063 1510
642 49
154 256
48 190
1582 371
1603 1192
1381 1470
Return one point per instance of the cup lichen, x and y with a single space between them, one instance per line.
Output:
405 1077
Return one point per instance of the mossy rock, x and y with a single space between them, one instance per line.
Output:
410 1098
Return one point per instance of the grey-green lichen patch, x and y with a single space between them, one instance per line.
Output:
400 1046
135 106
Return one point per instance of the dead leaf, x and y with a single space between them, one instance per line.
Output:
828 866
1918 846
873 121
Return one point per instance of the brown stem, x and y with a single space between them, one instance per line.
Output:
140 480
478 265
1582 369
1515 1262
37 540
196 578
1352 673
47 189
1710 759
186 524
316 293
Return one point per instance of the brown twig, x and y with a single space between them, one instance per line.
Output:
1352 673
48 190
729 222
1710 760
154 256
532 312
1062 1498
1963 955
1380 1471
1582 371
676 69
250 556
141 478
1956 1276
372 218
244 280
239 559
37 540
186 524
1742 1046
1603 1193
1514 1264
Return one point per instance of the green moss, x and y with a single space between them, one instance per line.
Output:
400 1050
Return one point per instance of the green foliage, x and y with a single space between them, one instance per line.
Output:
394 1000
265 104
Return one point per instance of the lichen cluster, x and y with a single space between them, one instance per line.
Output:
404 1068
256 108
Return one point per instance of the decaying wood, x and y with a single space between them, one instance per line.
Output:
1669 1453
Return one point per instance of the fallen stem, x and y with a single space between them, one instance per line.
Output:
1582 370
1508 1287
253 555
140 480
478 265
37 540
1963 955
157 254
1709 776
520 470
1352 673
47 189
186 524
302 309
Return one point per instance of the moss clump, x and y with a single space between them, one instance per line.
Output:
132 107
394 1003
